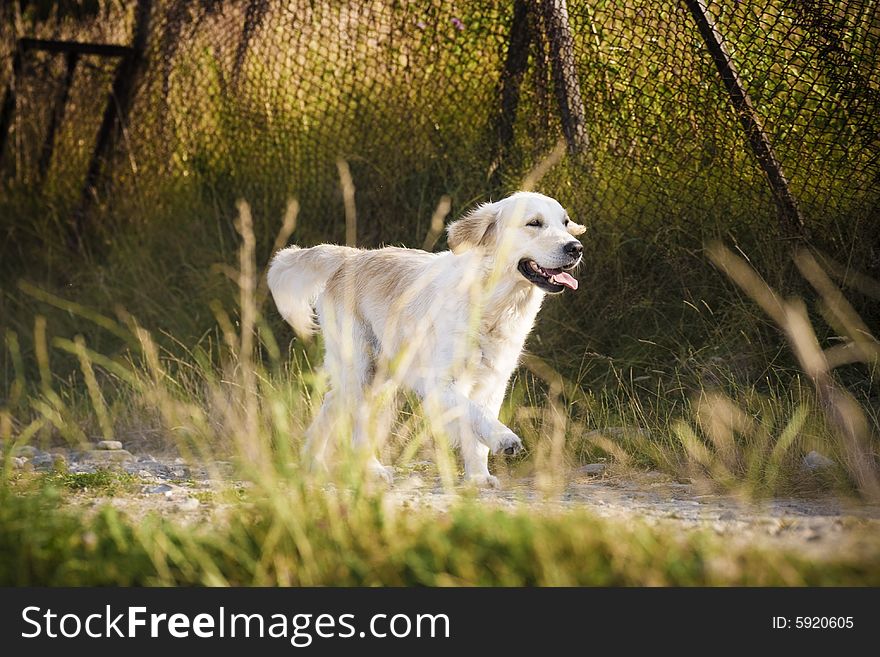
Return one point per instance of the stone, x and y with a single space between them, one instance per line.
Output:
189 504
156 490
109 444
27 451
44 461
727 515
19 462
109 456
816 461
41 460
413 482
78 467
591 469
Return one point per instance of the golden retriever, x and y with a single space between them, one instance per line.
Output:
449 326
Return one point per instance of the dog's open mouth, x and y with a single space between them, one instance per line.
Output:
550 280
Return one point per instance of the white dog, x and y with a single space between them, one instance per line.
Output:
448 326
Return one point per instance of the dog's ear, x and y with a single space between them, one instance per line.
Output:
477 228
575 229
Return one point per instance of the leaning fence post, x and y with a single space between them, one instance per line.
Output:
116 112
254 15
515 65
565 80
58 111
790 216
8 107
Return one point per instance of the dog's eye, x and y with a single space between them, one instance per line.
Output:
536 223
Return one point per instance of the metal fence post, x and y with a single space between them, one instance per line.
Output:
8 108
792 221
564 70
115 114
60 107
515 64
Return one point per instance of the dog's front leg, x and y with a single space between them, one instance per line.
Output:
475 454
473 427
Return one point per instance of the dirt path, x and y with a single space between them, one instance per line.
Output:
817 527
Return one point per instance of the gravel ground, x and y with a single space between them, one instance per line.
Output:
818 527
827 526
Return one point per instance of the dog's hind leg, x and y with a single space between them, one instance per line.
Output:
325 425
350 363
372 425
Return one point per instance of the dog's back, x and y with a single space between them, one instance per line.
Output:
372 280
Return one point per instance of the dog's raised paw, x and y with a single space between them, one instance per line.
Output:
509 444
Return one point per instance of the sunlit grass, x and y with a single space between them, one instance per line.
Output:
304 536
162 334
238 395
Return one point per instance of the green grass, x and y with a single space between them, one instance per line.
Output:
661 360
310 537
101 482
636 380
213 400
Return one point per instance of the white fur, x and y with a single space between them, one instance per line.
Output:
449 326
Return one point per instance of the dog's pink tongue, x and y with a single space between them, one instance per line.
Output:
562 278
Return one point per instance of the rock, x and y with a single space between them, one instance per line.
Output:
19 462
156 490
591 469
413 482
816 461
45 461
41 460
109 456
153 468
727 515
109 444
189 504
224 467
140 473
27 451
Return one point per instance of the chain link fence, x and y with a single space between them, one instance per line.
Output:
258 99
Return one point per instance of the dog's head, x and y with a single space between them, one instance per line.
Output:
528 233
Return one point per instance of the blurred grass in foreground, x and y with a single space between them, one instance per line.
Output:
238 394
308 536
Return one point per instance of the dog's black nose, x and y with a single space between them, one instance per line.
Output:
573 249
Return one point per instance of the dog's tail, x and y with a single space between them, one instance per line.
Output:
297 278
